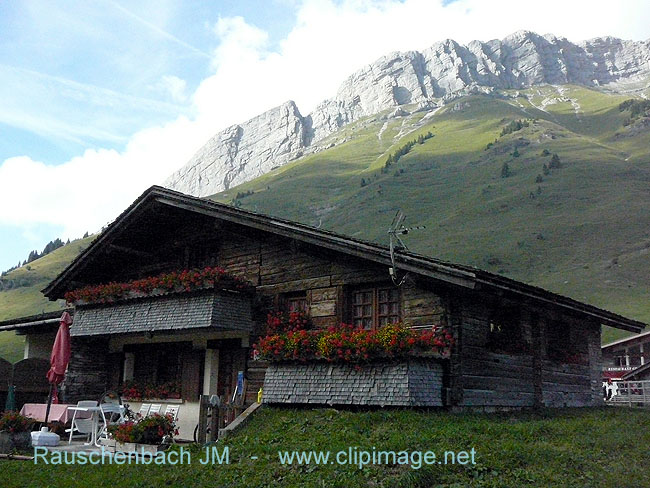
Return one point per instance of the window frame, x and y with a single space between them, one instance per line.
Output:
375 303
295 297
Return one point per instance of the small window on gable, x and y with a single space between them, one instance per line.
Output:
505 334
375 307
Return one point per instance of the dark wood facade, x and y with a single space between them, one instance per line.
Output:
515 345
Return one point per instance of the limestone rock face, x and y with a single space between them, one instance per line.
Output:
243 152
424 79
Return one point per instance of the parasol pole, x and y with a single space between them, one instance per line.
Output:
49 404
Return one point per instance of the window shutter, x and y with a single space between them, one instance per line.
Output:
192 372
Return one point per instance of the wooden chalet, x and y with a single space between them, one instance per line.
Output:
515 345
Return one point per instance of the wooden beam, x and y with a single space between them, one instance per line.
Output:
129 250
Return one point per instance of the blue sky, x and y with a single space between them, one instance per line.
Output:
99 100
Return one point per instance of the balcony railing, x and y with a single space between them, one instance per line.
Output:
632 394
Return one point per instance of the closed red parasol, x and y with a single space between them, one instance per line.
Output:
59 359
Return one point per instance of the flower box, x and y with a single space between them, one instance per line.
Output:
174 401
135 448
290 339
175 282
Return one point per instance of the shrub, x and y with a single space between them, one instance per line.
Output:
13 422
555 162
505 170
514 126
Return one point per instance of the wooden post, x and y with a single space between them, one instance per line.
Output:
214 423
203 418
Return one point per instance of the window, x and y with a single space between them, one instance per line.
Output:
297 304
374 307
159 363
505 334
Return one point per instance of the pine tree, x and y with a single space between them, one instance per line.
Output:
555 162
545 170
539 179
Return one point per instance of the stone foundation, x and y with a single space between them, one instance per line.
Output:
413 383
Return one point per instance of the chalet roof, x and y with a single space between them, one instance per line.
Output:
636 372
456 274
30 321
645 336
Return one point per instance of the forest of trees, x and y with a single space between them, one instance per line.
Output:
34 255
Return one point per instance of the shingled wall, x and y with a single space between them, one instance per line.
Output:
220 309
416 383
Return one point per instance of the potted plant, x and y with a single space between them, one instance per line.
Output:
152 433
15 432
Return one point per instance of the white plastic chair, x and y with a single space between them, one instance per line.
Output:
172 410
144 409
82 425
155 408
111 414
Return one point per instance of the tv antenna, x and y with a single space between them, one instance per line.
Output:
397 229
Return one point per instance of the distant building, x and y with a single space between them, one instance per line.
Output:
627 358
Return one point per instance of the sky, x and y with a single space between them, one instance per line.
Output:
100 100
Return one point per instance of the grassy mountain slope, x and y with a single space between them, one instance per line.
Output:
27 298
583 231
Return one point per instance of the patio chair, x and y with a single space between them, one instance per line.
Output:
144 409
110 414
82 425
155 408
172 410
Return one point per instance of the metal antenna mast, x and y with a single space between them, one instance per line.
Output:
396 230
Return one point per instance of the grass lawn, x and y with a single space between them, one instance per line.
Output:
566 448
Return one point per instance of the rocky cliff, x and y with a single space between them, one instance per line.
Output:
426 79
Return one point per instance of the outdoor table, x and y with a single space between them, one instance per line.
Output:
59 412
95 412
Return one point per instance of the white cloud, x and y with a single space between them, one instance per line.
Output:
329 41
175 87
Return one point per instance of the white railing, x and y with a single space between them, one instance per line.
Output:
631 393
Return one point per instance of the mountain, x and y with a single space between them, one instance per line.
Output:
578 224
432 141
428 80
20 292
